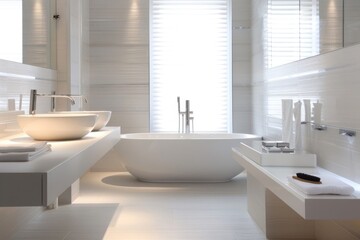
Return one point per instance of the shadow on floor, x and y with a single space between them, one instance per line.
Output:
127 180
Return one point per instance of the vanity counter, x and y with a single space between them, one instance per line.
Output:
39 182
313 207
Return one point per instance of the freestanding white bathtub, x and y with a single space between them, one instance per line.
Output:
172 157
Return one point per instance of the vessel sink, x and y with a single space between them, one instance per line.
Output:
57 127
102 120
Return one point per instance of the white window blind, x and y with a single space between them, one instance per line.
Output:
292 31
190 57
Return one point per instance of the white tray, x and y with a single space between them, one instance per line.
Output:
255 152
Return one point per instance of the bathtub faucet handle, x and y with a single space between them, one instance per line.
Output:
185 118
188 117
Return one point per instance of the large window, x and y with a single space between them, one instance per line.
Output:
190 57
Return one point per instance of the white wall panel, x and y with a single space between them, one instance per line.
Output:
119 61
119 57
241 60
331 78
37 24
45 81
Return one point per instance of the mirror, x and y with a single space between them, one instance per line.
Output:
28 32
297 29
351 22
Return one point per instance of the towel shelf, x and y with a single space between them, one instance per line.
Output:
342 130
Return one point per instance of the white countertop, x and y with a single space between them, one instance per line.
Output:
53 172
62 151
307 206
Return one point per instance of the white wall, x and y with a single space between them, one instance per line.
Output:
241 46
11 88
24 78
331 25
119 63
72 51
70 31
331 78
37 26
119 66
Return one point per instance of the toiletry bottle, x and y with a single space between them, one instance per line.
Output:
317 112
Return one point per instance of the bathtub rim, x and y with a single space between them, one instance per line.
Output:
188 136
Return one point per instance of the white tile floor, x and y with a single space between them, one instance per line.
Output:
116 206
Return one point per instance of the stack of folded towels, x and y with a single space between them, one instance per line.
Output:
17 151
329 185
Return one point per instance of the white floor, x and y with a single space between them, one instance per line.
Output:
116 206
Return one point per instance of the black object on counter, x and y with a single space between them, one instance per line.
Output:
308 177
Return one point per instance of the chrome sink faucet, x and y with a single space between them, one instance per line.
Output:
83 100
34 95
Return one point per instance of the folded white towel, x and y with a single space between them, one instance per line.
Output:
24 156
12 146
329 185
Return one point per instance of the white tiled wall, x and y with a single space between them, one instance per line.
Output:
71 74
351 22
331 78
37 23
119 63
13 85
72 50
241 44
119 66
331 25
45 81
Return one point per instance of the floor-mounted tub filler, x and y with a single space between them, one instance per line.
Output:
173 157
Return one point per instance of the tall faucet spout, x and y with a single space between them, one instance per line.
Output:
72 100
32 105
187 116
83 98
34 95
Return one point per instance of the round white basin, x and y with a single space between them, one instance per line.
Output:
57 127
102 120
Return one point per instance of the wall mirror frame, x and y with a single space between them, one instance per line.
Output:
298 29
30 38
